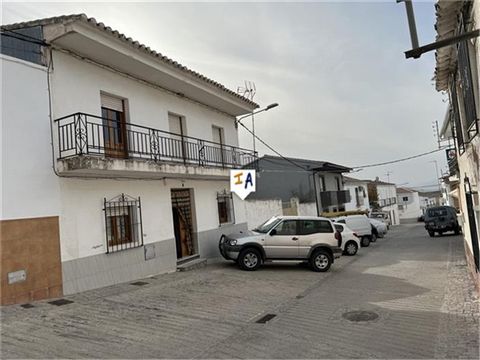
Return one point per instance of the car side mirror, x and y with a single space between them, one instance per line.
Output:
273 232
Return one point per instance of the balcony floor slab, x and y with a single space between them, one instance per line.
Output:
92 166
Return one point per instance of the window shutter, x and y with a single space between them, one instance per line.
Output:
112 103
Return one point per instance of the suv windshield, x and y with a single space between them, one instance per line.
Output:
437 212
267 225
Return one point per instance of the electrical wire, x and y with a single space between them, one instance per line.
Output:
399 160
272 149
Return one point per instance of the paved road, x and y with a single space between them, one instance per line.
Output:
417 286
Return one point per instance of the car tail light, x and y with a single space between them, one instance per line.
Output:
338 236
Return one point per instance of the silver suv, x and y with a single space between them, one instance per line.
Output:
302 238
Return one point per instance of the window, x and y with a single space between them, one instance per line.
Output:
322 182
226 213
123 223
287 227
338 227
405 198
315 227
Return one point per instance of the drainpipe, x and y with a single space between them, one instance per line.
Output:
316 193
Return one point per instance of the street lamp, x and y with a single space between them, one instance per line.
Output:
436 173
237 121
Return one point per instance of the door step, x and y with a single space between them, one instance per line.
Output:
192 264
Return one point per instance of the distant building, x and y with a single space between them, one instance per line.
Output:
386 199
358 194
409 207
314 185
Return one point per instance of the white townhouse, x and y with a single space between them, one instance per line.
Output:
457 73
409 204
115 159
358 189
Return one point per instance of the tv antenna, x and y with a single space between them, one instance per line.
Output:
248 90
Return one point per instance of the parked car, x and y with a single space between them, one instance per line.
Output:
379 227
361 226
302 238
381 216
350 240
441 219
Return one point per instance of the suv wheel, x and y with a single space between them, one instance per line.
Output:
373 238
365 241
249 259
320 261
351 248
431 233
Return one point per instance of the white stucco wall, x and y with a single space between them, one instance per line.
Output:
352 205
411 207
76 87
307 209
83 221
29 186
258 211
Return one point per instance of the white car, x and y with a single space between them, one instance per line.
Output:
381 216
350 240
361 226
380 226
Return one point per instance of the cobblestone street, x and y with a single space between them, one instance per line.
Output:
417 288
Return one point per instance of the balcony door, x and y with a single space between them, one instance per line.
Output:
176 126
218 136
114 127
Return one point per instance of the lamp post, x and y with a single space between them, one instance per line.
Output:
237 121
436 172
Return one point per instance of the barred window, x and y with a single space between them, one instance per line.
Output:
123 223
226 214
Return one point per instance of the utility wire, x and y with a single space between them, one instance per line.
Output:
272 149
357 168
398 160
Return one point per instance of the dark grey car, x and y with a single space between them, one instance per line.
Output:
441 219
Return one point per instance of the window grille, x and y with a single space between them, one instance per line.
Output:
226 213
123 223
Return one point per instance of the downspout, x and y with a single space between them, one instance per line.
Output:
316 193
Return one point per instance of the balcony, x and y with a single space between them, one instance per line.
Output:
90 145
334 198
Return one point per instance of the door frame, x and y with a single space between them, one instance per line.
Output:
192 219
112 151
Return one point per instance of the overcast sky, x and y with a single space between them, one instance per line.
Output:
346 92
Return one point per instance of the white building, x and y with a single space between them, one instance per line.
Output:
358 194
409 206
115 159
457 73
386 199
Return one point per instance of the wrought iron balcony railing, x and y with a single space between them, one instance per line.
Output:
84 134
333 198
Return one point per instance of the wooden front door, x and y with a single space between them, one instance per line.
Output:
114 127
182 222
